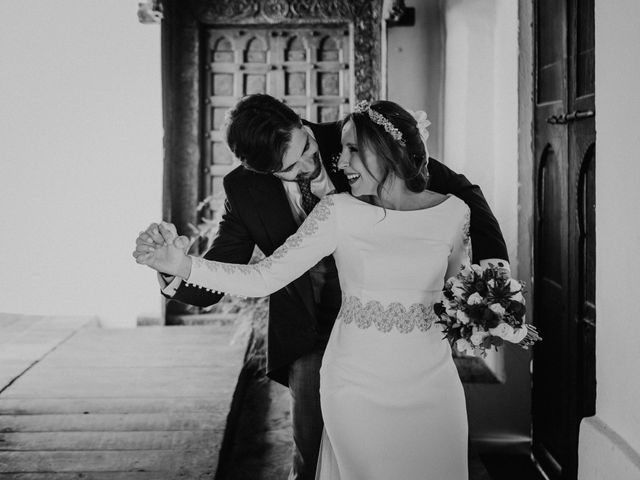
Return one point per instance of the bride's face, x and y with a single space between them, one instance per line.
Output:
362 169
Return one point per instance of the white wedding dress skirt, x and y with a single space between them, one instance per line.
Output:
392 401
393 407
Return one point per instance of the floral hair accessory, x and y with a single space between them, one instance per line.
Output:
420 116
379 119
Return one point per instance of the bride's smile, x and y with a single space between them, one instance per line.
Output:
352 177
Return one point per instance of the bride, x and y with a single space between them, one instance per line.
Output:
392 401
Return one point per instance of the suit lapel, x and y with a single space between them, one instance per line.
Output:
273 208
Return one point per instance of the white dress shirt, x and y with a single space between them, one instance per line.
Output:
320 186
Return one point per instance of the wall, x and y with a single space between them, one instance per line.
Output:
415 66
481 141
81 158
610 442
481 114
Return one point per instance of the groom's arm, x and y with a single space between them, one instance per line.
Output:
487 242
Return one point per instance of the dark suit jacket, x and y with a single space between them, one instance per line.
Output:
257 212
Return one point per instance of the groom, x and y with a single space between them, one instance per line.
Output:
286 167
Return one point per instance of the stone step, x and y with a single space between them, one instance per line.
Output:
147 403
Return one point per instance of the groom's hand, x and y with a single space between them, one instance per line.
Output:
160 248
149 239
168 232
504 269
152 238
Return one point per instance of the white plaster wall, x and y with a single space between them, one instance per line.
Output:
80 158
481 141
415 64
613 437
481 102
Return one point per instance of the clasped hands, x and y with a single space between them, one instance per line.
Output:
161 248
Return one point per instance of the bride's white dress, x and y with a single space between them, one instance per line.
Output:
392 401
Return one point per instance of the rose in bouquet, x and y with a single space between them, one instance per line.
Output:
481 308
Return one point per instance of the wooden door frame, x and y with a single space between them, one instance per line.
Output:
527 179
526 157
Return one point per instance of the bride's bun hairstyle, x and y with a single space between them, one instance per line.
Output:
392 134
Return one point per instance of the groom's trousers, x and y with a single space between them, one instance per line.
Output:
306 417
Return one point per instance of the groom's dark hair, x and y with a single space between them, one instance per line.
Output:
259 131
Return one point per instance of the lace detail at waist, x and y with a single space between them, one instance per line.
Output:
385 319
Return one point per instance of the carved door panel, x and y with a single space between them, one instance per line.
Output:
564 246
306 68
551 360
582 138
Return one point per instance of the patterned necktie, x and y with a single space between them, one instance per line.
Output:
309 200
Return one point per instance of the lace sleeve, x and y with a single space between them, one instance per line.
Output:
461 251
314 240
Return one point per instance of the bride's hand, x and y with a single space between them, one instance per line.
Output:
170 258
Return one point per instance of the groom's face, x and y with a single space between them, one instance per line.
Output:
302 159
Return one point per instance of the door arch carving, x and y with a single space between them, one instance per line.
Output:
364 17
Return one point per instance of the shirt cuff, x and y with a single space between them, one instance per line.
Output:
169 284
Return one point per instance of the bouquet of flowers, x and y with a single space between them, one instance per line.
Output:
482 308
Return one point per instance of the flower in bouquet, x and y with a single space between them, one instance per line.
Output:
481 308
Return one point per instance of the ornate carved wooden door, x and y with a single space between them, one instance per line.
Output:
316 55
307 68
564 246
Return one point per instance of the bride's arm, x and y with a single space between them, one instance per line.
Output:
488 241
315 239
460 252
